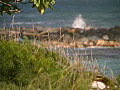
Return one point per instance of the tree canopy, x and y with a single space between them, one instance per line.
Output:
12 6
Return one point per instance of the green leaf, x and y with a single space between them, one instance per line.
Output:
42 11
10 6
53 2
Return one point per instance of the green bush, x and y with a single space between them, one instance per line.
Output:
118 79
31 67
20 63
24 66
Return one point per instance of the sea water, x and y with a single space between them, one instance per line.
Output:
107 59
69 13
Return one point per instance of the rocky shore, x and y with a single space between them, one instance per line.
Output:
68 37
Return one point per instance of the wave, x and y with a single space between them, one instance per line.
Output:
27 23
79 22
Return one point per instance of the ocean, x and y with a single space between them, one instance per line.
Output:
107 59
69 13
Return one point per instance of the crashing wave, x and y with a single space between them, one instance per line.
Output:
79 22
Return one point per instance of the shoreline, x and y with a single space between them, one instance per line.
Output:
90 37
77 45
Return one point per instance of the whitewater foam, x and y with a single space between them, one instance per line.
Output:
79 22
31 23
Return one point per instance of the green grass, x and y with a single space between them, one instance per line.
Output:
24 66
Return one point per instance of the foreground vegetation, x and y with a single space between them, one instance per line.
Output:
24 66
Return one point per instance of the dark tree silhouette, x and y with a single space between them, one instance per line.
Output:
12 6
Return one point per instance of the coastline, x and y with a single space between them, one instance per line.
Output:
89 37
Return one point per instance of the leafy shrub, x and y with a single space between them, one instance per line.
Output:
118 79
20 63
27 67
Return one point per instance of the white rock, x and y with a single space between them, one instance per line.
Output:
106 37
98 85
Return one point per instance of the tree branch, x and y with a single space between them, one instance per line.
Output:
5 3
